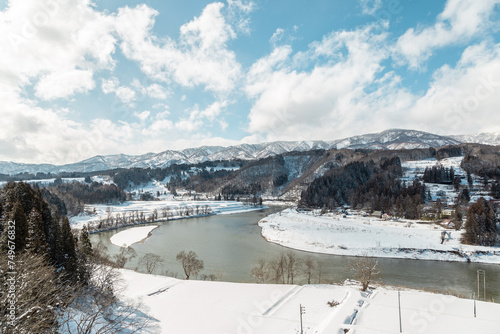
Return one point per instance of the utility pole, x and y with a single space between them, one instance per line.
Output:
302 311
482 273
399 305
474 306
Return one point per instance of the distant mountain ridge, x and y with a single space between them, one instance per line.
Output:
390 139
481 138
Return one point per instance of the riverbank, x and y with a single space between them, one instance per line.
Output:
358 236
185 307
103 217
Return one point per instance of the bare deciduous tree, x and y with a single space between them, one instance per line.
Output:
151 262
292 264
261 272
190 263
125 255
96 309
277 268
319 272
365 269
37 293
308 269
283 269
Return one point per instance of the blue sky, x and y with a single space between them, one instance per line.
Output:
81 78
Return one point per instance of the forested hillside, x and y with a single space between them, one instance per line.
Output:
52 280
41 255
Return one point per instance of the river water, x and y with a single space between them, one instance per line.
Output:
231 245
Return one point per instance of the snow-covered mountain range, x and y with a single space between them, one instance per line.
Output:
482 138
389 139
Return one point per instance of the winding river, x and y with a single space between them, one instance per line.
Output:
230 245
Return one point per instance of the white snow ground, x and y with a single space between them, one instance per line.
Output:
188 307
131 235
357 235
447 193
99 211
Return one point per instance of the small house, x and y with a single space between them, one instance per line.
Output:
448 212
447 223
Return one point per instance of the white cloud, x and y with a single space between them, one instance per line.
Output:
238 14
464 98
370 7
277 36
57 48
64 83
109 85
34 134
223 124
160 126
290 104
457 24
142 115
196 116
340 85
354 94
125 94
157 92
161 106
154 90
188 124
59 43
199 58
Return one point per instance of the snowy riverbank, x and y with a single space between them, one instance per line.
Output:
163 209
356 235
132 235
186 307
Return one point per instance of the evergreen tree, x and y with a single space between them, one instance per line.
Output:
480 227
69 256
469 180
56 244
20 224
495 190
36 241
85 244
464 196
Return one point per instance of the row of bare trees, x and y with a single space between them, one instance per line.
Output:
191 264
287 267
121 219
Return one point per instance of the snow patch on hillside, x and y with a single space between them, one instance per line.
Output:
447 192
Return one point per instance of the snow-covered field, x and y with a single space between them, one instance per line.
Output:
187 307
100 211
131 235
47 182
356 235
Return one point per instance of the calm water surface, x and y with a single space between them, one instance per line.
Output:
231 245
